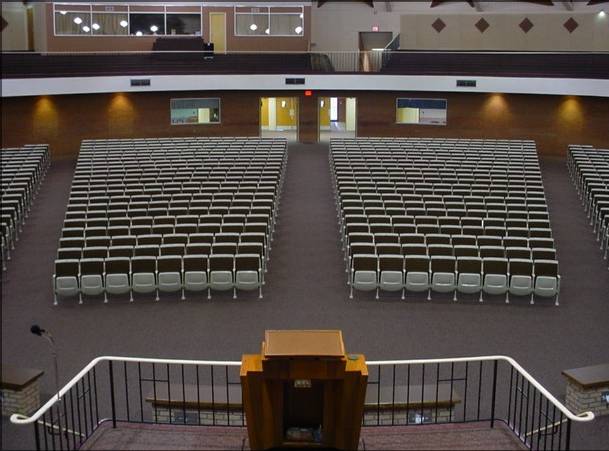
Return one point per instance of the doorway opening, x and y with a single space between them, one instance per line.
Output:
279 117
337 117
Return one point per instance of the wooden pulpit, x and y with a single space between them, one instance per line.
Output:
303 391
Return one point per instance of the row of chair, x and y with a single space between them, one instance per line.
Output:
589 169
407 199
22 172
446 274
150 274
155 199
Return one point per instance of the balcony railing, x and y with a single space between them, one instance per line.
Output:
388 61
208 393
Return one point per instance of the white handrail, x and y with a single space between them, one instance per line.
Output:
22 419
583 417
17 418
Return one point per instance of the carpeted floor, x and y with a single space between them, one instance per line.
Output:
306 289
474 436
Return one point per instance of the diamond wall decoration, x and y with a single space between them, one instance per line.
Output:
438 25
526 25
482 25
571 25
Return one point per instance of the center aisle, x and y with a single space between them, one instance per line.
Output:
306 267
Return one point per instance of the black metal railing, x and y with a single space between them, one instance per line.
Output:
482 389
114 390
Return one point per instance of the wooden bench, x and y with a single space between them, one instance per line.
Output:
588 389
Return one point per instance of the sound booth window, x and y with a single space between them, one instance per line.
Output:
195 111
421 111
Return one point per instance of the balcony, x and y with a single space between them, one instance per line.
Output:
387 62
466 403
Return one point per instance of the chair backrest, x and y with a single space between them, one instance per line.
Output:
391 262
416 263
492 252
92 266
120 251
118 265
520 266
145 240
437 238
195 262
544 253
224 248
412 238
221 262
443 264
146 251
247 262
517 252
495 265
141 264
172 249
95 252
364 262
439 250
175 238
66 268
124 240
169 263
469 265
414 249
69 253
547 268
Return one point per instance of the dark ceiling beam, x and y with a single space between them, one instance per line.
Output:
597 2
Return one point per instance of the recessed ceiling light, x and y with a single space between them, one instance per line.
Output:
77 20
139 33
253 27
63 13
95 26
154 28
298 29
301 15
123 23
601 13
86 29
267 31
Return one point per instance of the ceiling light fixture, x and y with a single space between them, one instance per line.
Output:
63 13
283 104
86 29
95 26
267 31
123 23
601 13
154 28
77 20
253 27
139 33
298 29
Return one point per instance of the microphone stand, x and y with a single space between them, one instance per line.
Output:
49 338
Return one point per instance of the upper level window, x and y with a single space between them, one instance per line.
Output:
421 111
146 23
91 19
273 21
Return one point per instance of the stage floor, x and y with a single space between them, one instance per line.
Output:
132 436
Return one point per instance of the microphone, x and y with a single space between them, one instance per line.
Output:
36 330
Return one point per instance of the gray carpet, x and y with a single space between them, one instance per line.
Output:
474 436
306 289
